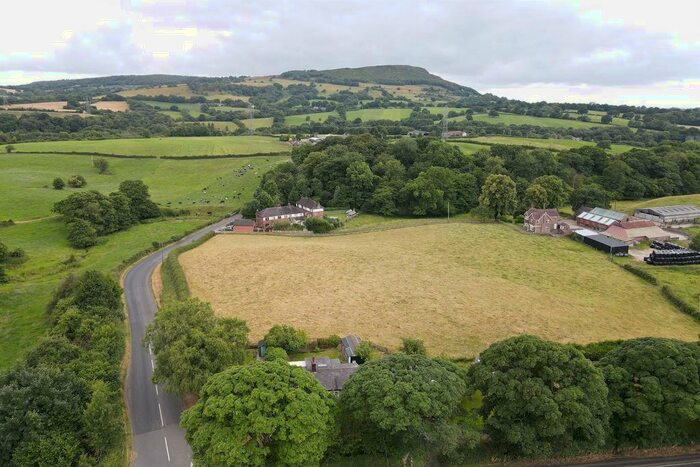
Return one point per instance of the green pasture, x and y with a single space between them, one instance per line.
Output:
168 146
559 144
26 180
23 300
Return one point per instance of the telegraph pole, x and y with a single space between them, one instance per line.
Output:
444 127
252 116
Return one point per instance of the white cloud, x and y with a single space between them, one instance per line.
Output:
499 44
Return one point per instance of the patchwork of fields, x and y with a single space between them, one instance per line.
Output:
173 146
26 192
458 286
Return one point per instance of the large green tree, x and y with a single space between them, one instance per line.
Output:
140 200
499 194
557 191
36 402
191 344
405 403
591 195
265 413
654 393
541 398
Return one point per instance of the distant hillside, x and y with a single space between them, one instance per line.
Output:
383 74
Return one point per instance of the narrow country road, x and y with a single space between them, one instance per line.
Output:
153 413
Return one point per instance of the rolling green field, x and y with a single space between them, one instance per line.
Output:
255 123
26 192
23 301
561 144
173 146
471 148
301 119
630 206
513 119
378 114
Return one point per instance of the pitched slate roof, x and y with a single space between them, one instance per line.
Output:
243 223
309 203
280 211
681 209
538 213
330 372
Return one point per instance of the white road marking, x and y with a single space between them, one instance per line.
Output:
153 367
156 389
167 451
150 350
160 411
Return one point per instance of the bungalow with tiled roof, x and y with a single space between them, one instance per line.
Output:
305 207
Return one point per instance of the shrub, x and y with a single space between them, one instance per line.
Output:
101 164
695 243
3 275
76 181
679 303
318 225
641 273
275 354
286 227
285 337
94 289
329 342
412 346
58 183
81 234
365 351
9 148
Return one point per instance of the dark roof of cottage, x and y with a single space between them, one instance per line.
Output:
348 344
309 203
242 223
538 213
330 372
280 211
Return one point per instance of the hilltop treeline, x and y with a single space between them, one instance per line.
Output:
421 176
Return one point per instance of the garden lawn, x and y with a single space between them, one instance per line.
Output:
458 286
26 180
168 146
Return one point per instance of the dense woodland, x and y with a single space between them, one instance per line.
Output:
420 176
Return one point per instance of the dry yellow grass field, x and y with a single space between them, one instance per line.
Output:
56 106
182 90
460 287
114 106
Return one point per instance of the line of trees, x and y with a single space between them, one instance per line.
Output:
91 214
523 397
424 176
62 404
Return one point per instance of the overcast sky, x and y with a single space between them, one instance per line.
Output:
643 52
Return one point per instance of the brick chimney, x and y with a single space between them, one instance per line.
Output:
313 364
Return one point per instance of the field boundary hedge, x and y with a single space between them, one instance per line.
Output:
173 276
644 275
141 156
679 303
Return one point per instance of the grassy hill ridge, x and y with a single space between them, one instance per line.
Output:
379 74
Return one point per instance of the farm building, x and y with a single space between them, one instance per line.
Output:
636 230
541 221
330 372
599 218
267 217
664 215
602 243
241 225
312 207
454 134
417 133
348 349
305 207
